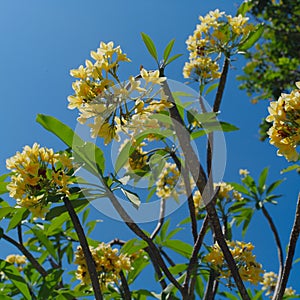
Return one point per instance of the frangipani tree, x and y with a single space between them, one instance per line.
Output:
158 133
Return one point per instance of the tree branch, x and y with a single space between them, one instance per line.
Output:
199 176
28 255
160 220
282 281
125 287
221 87
136 229
187 185
277 240
85 248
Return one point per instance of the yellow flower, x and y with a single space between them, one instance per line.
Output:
248 268
36 173
285 131
152 76
243 172
109 263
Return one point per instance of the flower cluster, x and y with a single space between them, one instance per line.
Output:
216 33
109 264
167 182
19 260
249 269
285 131
138 160
111 104
269 284
227 192
37 173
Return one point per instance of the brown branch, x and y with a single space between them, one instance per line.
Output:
282 281
85 248
160 220
187 185
136 229
194 257
20 236
221 87
157 270
277 240
199 176
125 287
28 255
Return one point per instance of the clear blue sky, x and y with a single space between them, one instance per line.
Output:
42 40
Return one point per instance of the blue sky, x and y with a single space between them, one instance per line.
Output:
43 40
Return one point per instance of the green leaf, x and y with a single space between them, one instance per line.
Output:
179 246
164 229
172 58
3 188
49 285
85 152
59 210
168 50
244 8
262 179
133 246
150 45
15 277
273 186
4 211
211 88
45 241
226 127
240 188
252 38
56 224
291 168
19 215
132 197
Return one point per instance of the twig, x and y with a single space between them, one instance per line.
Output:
282 281
125 287
209 292
160 220
221 87
186 179
136 229
194 256
28 255
277 240
158 271
20 236
85 248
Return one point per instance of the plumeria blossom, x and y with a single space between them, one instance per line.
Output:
109 263
269 284
38 173
249 269
110 106
217 33
285 130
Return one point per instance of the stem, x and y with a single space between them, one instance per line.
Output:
85 248
125 287
158 271
199 176
194 257
136 229
209 292
185 175
221 87
28 255
277 240
160 220
19 227
282 281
